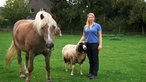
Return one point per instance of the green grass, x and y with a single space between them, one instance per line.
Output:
121 60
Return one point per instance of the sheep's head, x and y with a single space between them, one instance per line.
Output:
82 47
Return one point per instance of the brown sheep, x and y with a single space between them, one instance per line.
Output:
74 54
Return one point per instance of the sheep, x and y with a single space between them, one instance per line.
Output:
74 54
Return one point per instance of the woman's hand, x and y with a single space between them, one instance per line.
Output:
99 47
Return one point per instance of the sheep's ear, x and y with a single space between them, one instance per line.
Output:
41 16
79 48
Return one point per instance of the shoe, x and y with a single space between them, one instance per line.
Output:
92 77
89 75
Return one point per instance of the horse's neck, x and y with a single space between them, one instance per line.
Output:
38 37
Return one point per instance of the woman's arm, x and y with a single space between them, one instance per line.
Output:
82 38
100 40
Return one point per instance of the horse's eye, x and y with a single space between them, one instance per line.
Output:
42 28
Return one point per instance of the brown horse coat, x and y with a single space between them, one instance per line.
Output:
31 40
33 37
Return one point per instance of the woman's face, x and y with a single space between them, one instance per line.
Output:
90 19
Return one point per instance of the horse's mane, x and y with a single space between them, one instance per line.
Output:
40 22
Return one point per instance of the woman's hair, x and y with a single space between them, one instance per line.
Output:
87 23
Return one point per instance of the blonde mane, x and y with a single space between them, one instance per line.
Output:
47 19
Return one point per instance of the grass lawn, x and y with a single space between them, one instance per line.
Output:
121 60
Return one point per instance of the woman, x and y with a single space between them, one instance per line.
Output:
93 34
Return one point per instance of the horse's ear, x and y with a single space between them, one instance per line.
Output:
41 16
58 32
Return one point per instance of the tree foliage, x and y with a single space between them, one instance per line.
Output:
113 15
15 10
116 16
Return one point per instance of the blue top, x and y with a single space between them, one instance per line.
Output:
92 33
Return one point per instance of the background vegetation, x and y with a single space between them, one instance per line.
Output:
15 10
121 60
115 16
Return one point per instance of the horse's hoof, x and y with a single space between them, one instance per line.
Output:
22 76
26 72
27 80
49 81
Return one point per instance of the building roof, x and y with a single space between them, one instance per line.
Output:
37 5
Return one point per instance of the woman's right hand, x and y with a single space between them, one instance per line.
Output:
99 47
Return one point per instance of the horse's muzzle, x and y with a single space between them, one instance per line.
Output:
50 46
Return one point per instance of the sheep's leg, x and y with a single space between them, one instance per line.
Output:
66 67
72 72
81 69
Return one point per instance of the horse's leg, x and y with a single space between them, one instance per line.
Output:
19 58
47 59
26 63
30 68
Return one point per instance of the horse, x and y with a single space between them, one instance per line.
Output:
33 37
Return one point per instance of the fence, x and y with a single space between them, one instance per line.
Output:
9 28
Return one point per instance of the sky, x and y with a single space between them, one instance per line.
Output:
2 2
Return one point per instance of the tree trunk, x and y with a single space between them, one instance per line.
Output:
104 18
142 30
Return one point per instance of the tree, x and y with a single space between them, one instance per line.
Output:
116 15
68 15
72 14
113 15
138 15
15 10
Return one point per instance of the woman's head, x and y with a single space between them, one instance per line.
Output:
90 19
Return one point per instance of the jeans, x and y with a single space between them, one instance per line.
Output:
92 53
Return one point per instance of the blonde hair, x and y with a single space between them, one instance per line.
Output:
87 22
47 19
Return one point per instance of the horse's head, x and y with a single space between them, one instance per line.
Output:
46 28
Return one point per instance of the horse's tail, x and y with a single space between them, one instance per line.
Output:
11 53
